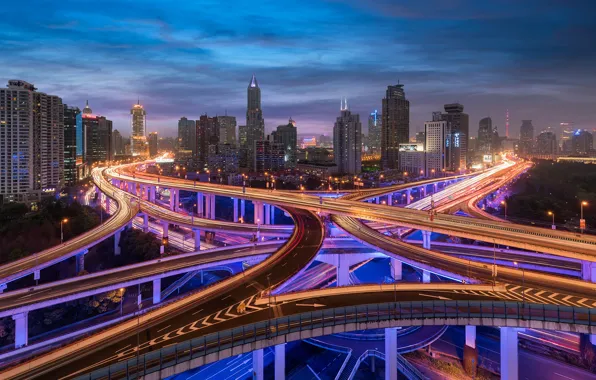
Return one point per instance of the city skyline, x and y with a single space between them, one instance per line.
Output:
181 68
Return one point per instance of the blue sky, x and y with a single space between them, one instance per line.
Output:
186 58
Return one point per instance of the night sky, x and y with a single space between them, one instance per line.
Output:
185 58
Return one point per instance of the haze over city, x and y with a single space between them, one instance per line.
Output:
187 59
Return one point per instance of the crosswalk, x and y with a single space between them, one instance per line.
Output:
540 296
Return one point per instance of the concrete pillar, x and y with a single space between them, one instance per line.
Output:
343 271
378 200
152 191
258 208
425 277
80 261
200 205
207 206
391 353
145 223
435 187
242 208
408 196
470 352
213 206
177 201
272 210
172 199
157 291
2 288
390 199
280 362
235 202
165 226
426 239
107 204
471 336
396 269
267 215
509 357
132 188
197 234
117 242
257 364
422 192
21 327
589 271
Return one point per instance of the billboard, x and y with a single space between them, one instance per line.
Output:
487 158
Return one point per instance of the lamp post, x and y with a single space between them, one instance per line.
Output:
65 220
505 205
121 299
553 215
582 221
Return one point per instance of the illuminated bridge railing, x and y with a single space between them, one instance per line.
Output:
415 311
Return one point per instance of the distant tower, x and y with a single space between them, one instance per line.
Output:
507 124
138 123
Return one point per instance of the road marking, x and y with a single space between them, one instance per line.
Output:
567 377
164 328
226 297
122 349
433 296
310 304
197 312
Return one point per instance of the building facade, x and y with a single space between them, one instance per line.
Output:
117 143
138 124
223 157
526 137
152 140
546 144
98 139
412 159
269 156
485 136
70 144
187 132
227 129
207 133
375 123
395 128
288 137
582 143
457 134
435 135
347 142
255 124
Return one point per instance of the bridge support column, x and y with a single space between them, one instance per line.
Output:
132 188
107 204
435 187
197 234
157 291
509 357
589 271
21 327
396 269
145 223
165 226
152 194
378 200
235 202
258 211
2 288
267 214
213 206
177 201
200 205
117 250
280 362
172 199
470 352
422 192
257 364
80 261
242 209
390 199
425 277
272 212
408 196
426 239
391 353
343 271
587 350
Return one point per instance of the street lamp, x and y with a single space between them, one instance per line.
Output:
121 299
505 205
582 222
553 215
65 220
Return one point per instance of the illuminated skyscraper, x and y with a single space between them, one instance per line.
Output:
582 143
255 124
152 140
187 133
435 144
485 134
374 131
287 136
117 143
70 144
546 144
347 141
456 137
395 127
227 129
138 123
526 137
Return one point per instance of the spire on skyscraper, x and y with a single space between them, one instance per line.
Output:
253 81
87 110
344 104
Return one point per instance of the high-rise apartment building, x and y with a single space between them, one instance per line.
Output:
457 134
138 123
70 144
223 157
227 129
187 133
546 144
374 131
255 124
288 137
31 143
347 141
435 135
269 156
207 133
582 143
98 139
152 142
395 128
117 142
485 135
565 137
526 137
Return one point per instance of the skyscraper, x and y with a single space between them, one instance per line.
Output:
395 128
138 123
546 144
269 156
288 137
31 142
227 129
117 143
255 125
347 141
98 138
152 140
526 137
187 133
485 135
582 143
70 144
457 134
207 133
374 131
435 144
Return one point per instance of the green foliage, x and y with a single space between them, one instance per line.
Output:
137 246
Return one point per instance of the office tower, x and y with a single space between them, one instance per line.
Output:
288 137
582 143
485 135
347 141
187 132
421 138
546 144
412 159
395 128
374 132
152 141
327 141
496 143
207 133
70 144
269 156
227 129
117 143
526 137
31 143
255 125
435 135
98 139
138 123
223 157
457 134
565 137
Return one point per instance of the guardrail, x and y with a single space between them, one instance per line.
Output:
360 316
